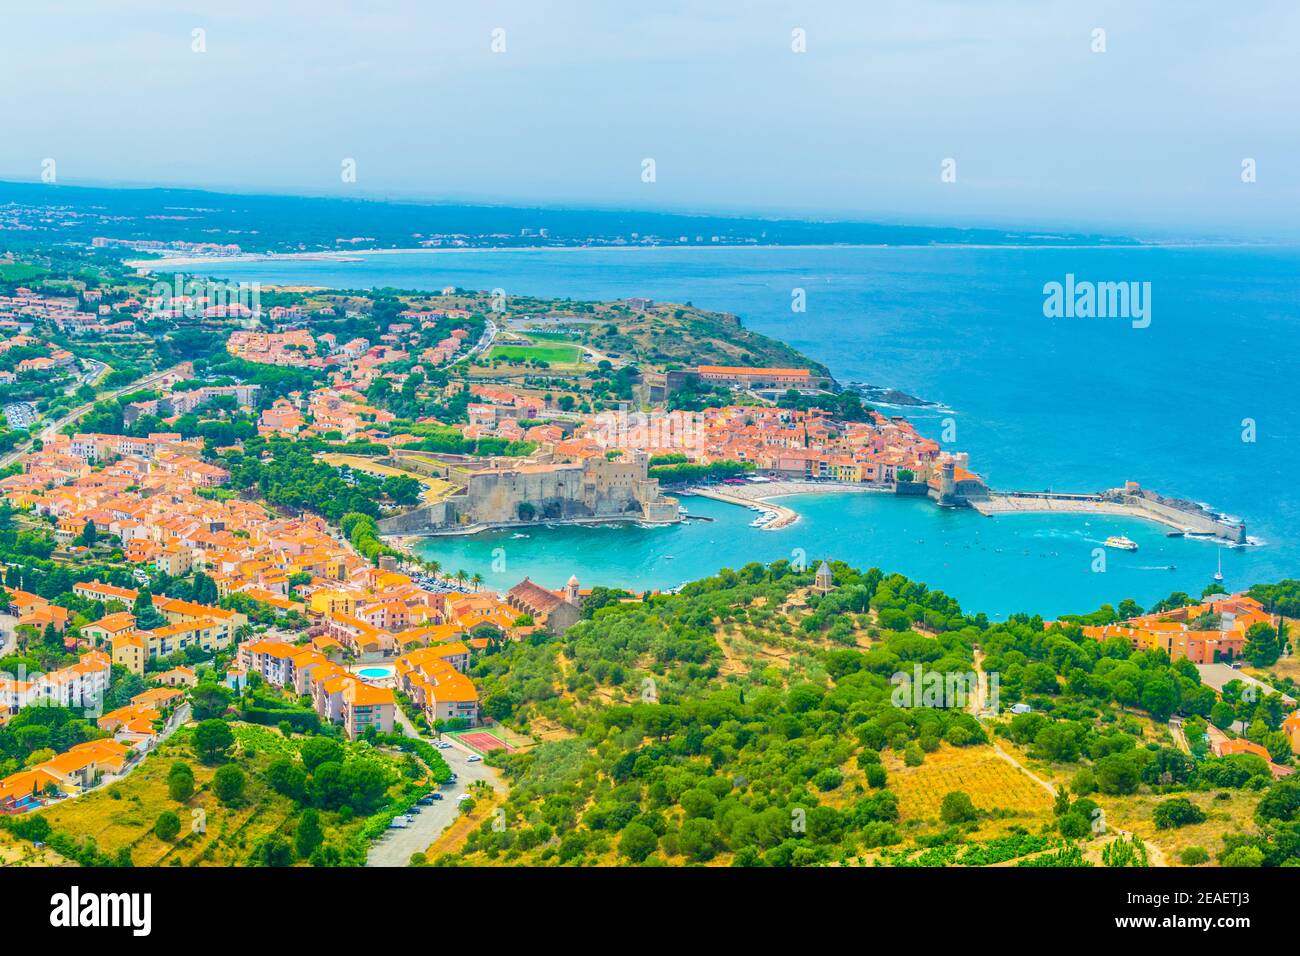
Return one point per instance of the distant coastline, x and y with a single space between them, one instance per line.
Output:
358 255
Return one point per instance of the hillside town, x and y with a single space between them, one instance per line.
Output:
220 531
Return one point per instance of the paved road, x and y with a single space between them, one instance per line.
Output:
1176 731
1217 675
395 847
54 427
485 340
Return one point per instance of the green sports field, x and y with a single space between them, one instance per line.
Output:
552 354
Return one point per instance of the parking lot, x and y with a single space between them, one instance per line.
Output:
395 847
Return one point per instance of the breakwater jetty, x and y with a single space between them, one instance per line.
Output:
1131 501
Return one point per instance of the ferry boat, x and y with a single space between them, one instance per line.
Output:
1121 542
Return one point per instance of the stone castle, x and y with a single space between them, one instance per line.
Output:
539 491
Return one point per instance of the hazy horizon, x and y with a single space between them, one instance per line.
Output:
1148 136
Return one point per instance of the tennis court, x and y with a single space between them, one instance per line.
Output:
483 742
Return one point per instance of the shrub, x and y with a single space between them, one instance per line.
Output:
1178 812
1193 856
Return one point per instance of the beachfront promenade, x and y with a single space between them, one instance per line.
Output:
752 492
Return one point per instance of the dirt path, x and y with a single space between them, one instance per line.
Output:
1155 856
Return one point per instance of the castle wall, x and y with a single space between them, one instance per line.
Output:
595 488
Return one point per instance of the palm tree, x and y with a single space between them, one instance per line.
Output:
461 576
477 580
433 567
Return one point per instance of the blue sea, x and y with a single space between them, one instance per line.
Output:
1204 404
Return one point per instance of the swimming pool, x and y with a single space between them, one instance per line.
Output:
376 673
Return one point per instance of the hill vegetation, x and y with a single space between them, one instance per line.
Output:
750 720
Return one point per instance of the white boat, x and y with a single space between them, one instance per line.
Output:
1121 543
1218 575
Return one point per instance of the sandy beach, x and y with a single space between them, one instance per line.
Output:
749 493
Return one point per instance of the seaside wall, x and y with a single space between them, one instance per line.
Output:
415 521
593 488
1187 519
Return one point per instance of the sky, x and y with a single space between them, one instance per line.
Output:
1149 132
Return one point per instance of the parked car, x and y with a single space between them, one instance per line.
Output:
473 758
427 799
443 745
400 823
435 796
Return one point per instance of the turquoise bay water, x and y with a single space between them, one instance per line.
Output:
1067 404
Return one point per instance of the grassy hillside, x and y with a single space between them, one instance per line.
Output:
121 819
667 335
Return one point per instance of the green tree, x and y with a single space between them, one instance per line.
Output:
309 835
272 851
957 807
228 784
1262 645
180 782
1160 697
287 777
147 617
1117 774
88 535
210 699
167 826
698 839
318 750
212 740
638 842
